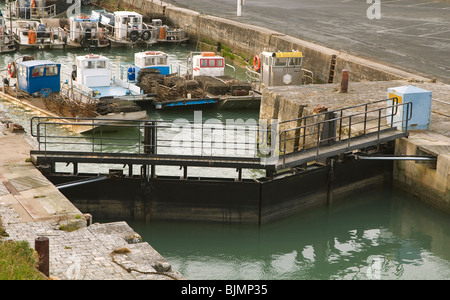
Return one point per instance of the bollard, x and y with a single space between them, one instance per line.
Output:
344 81
41 245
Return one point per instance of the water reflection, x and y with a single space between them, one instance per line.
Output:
383 235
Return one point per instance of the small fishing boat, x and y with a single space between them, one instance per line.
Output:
154 60
35 35
30 9
165 34
91 75
125 28
6 38
39 84
84 31
204 84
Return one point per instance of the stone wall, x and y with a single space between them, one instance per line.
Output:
428 181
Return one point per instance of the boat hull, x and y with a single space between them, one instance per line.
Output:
110 122
7 48
187 104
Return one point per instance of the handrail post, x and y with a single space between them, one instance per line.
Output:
349 130
93 136
318 140
45 139
149 138
392 110
379 126
304 134
38 130
365 119
284 147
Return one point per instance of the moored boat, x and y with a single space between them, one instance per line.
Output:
39 84
204 84
125 28
30 9
6 37
92 76
83 31
35 35
166 34
156 60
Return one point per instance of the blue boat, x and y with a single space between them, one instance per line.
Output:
187 103
44 86
153 60
36 76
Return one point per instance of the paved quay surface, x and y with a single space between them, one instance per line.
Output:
412 35
366 91
30 207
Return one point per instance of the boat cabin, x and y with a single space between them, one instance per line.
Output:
93 70
38 75
83 26
207 64
152 60
127 22
280 68
125 27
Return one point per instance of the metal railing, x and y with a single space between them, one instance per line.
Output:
176 35
6 40
48 37
83 37
346 124
153 137
30 13
181 139
124 34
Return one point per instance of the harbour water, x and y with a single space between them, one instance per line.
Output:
379 235
383 235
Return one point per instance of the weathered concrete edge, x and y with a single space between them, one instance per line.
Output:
428 184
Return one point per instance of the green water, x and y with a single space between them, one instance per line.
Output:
380 235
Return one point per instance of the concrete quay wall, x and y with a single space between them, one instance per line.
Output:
248 40
428 182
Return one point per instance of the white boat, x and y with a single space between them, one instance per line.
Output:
92 76
205 64
126 28
154 60
204 84
83 31
165 34
6 37
35 35
30 9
